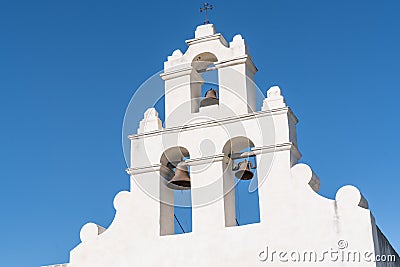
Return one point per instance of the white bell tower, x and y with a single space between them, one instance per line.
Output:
183 80
210 139
202 149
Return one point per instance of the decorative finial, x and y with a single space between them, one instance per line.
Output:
205 8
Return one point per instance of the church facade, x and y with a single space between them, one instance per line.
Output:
209 144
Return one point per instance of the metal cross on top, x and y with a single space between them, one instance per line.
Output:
205 8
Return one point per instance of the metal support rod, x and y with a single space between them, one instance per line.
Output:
179 224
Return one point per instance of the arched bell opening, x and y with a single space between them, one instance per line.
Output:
241 202
204 89
175 192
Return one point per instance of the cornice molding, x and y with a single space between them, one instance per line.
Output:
235 61
176 73
206 160
245 59
277 148
212 123
220 157
207 38
143 169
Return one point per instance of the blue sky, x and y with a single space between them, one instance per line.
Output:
69 68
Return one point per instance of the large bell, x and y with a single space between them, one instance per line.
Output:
210 98
181 179
244 172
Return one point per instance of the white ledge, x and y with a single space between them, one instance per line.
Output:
171 74
216 36
272 112
237 60
218 158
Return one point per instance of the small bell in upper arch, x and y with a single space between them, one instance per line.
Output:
210 98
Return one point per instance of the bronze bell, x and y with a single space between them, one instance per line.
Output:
181 179
210 98
244 172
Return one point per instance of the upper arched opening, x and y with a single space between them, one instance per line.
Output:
202 61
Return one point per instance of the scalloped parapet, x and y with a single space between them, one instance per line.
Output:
121 200
349 196
303 173
90 232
